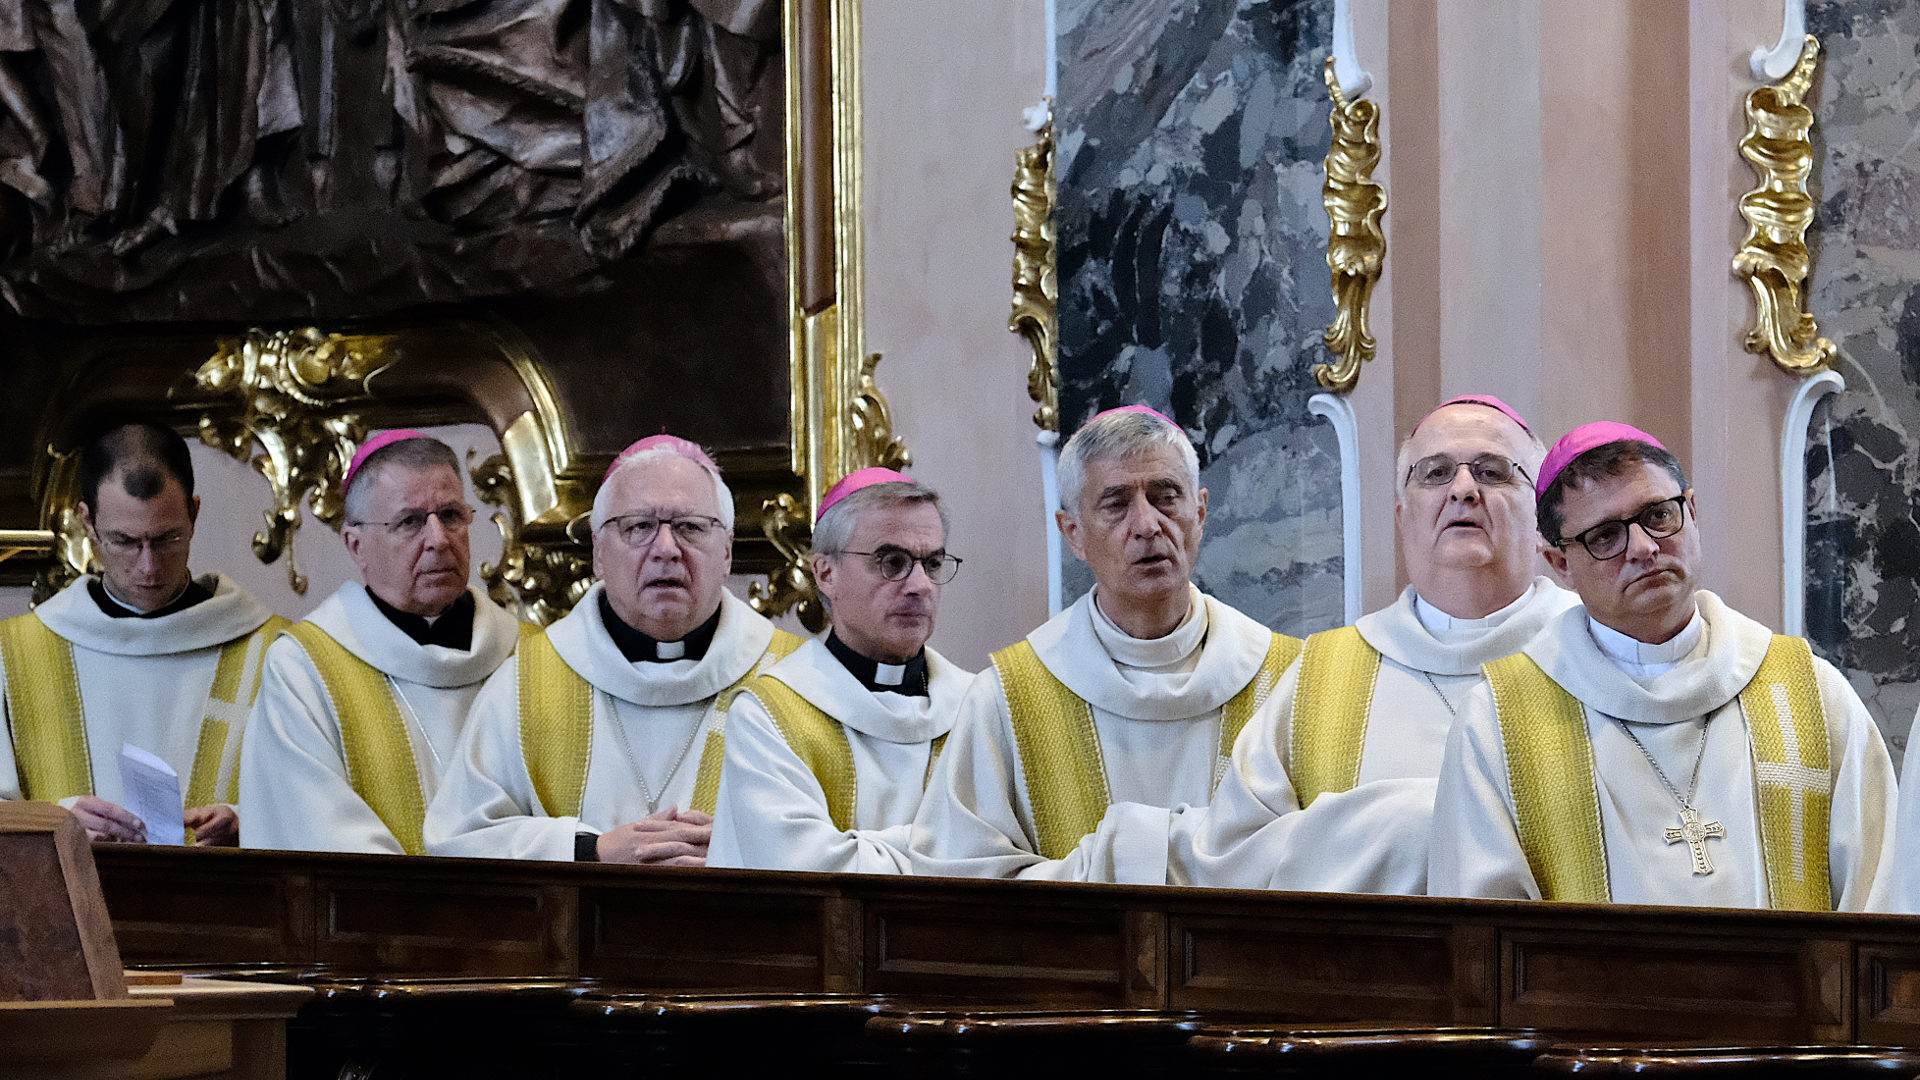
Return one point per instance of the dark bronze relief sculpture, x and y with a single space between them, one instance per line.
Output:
578 221
322 159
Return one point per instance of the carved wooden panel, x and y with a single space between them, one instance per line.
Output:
407 923
1304 969
1033 950
694 938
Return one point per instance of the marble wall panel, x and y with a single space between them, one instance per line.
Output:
1863 457
1192 136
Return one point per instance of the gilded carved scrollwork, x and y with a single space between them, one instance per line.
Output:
789 588
871 423
289 388
1036 286
542 579
1356 244
1773 259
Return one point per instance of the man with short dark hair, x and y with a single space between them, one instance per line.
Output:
602 741
829 751
1653 745
140 652
362 703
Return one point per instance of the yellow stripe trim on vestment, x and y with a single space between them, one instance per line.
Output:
1550 772
1059 751
556 727
706 784
818 740
43 704
1240 708
373 737
1331 704
272 628
1787 725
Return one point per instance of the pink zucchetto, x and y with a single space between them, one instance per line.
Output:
367 449
1487 400
1582 439
685 448
854 481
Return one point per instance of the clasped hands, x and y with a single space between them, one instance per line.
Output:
670 837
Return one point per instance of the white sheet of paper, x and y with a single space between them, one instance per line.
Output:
150 789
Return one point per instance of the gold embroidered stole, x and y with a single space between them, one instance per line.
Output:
49 719
373 737
1060 751
1787 725
1550 772
556 725
1331 705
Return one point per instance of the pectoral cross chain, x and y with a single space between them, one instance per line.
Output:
1695 833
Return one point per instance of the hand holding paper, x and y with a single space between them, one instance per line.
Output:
151 790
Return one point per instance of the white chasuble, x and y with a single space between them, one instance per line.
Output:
648 733
1681 710
149 682
774 813
1157 712
1371 837
295 790
1904 877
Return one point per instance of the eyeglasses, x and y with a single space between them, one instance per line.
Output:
454 519
895 564
638 531
1608 539
124 545
1489 470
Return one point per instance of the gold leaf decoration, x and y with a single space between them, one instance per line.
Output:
287 389
1036 285
1773 259
540 579
789 527
1356 243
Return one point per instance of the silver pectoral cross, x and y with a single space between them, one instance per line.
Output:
1694 833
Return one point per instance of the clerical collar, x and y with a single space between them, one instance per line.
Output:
1442 625
1153 653
114 608
1643 660
638 646
451 629
909 678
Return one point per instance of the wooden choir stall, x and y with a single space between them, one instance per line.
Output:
473 967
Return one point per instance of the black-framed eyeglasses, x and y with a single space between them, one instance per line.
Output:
896 564
1489 470
454 519
1608 540
638 531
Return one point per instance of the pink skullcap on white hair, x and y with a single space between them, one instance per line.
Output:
1487 400
384 439
686 449
854 481
1132 408
1582 439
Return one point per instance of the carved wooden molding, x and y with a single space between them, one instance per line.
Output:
1773 259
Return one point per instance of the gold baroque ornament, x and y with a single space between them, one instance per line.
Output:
789 527
1356 244
541 577
872 424
1036 286
1773 259
288 386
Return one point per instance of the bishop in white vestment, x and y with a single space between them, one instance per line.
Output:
140 653
1085 749
829 751
1653 745
1333 789
362 703
602 740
